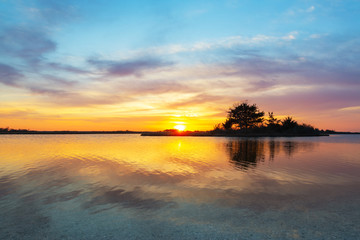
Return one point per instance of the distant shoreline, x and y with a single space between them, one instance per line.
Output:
68 132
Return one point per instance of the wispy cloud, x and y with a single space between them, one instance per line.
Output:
65 67
9 75
134 67
224 43
25 113
195 100
52 12
353 108
145 87
26 44
294 11
310 9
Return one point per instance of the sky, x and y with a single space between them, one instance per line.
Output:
152 65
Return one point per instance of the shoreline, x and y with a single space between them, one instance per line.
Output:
162 134
177 134
66 132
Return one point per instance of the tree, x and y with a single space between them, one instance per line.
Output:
228 123
289 122
244 116
272 121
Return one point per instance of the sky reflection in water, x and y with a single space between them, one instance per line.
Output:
127 186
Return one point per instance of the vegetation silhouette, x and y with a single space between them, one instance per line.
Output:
244 119
26 131
9 130
244 116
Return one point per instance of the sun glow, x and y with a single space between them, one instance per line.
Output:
180 127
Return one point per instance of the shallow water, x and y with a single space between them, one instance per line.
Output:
133 187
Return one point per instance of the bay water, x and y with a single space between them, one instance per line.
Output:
132 187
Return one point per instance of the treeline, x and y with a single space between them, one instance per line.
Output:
26 131
246 119
10 130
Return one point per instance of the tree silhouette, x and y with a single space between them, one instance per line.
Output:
244 116
288 123
228 123
272 121
244 119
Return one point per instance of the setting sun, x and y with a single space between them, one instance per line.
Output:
180 127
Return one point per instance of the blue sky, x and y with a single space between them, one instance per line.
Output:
153 64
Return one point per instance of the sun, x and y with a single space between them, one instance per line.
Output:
180 127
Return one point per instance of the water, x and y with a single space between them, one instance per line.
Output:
133 187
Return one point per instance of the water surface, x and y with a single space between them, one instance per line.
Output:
133 187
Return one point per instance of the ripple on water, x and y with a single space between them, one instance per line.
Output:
126 186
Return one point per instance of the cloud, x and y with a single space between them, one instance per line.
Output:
243 68
310 9
329 60
76 98
66 68
9 75
27 47
25 114
58 81
52 12
315 100
295 11
315 35
260 66
353 108
128 67
231 43
43 90
261 85
27 44
81 100
141 87
196 100
291 36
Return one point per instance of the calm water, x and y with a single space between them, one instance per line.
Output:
132 187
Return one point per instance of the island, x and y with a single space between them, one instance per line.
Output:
246 120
